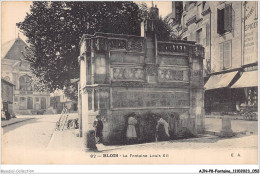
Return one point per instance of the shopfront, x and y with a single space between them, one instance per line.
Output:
248 82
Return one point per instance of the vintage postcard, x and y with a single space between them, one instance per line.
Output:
129 82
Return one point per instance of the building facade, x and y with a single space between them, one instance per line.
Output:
7 91
228 31
16 69
121 74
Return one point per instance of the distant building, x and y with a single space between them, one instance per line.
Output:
7 90
16 70
59 101
228 31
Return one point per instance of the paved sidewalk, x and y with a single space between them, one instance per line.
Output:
214 126
67 139
5 123
233 117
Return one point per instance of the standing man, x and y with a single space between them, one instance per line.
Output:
98 124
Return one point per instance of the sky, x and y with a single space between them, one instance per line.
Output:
13 12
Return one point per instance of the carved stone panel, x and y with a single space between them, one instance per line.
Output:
115 44
169 75
151 69
135 44
127 73
149 99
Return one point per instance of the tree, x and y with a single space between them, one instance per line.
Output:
54 29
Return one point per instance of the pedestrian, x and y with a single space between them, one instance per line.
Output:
162 130
98 124
3 117
131 131
7 115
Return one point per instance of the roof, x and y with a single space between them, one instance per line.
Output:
5 81
6 47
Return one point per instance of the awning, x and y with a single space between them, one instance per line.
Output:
220 80
248 79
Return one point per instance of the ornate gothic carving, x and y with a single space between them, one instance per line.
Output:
170 75
199 51
131 84
115 44
166 47
135 44
139 99
100 44
128 73
151 69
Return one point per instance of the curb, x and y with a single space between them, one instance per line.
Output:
17 122
218 133
54 134
219 117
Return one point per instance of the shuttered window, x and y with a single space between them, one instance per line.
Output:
224 21
220 20
228 18
225 50
199 36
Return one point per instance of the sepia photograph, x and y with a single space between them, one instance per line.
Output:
129 82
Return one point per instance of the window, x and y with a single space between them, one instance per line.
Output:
225 54
185 38
198 36
224 20
22 104
25 83
100 65
199 11
16 99
29 103
37 99
43 103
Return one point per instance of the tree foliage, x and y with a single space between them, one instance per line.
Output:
162 29
54 29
